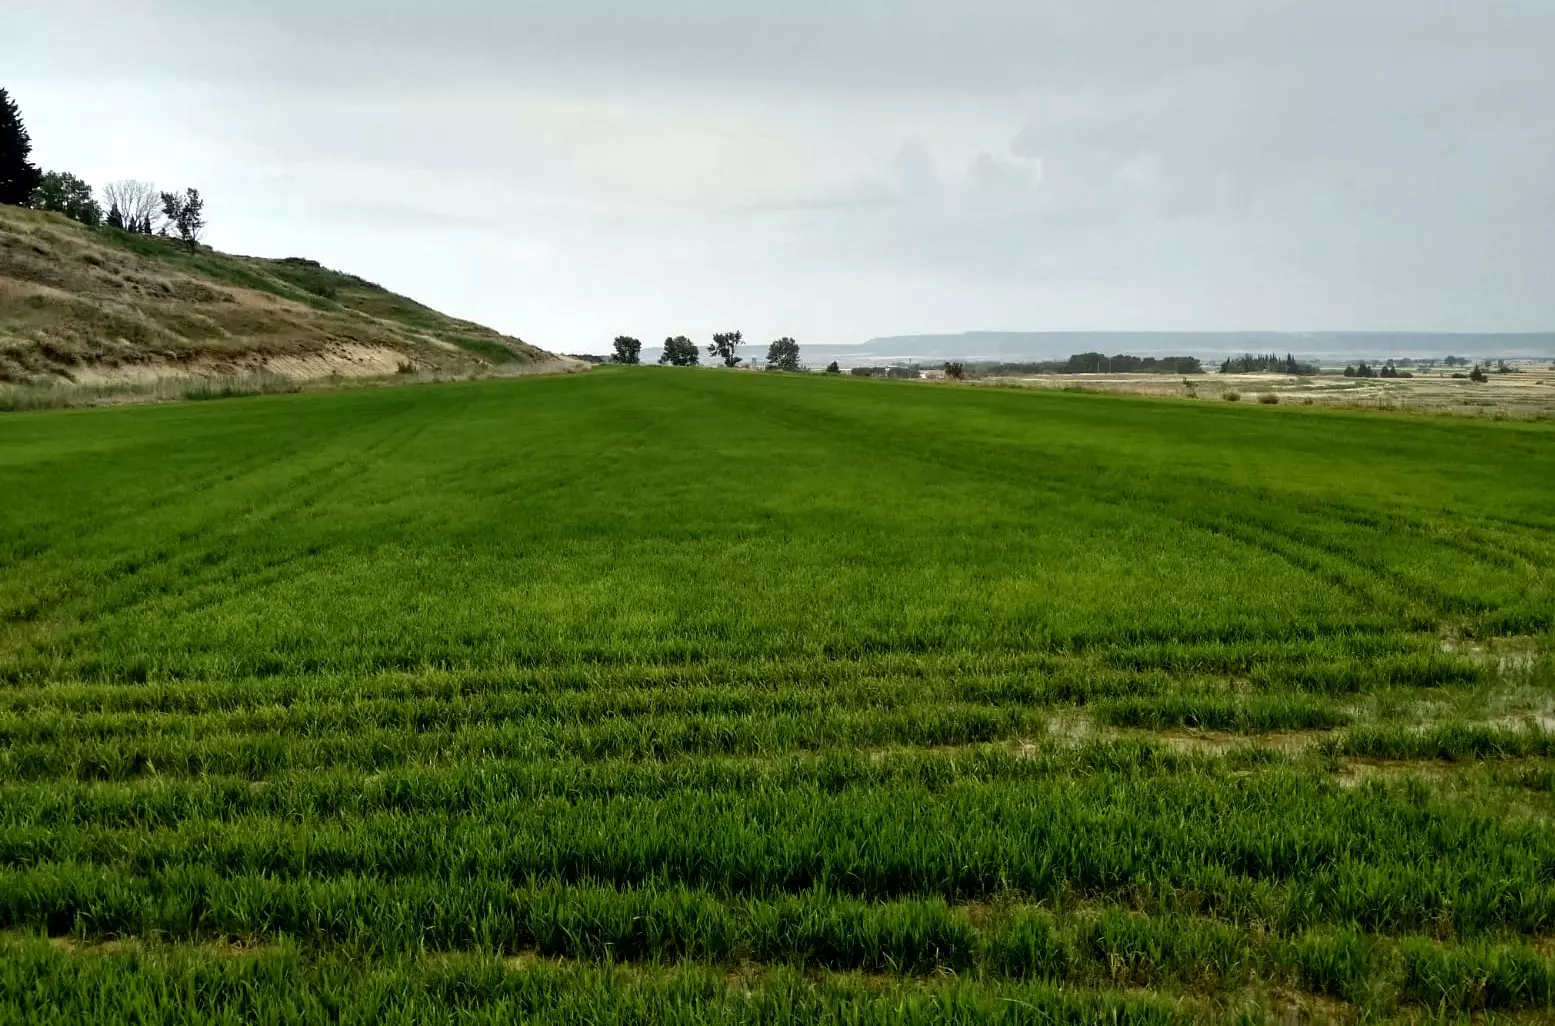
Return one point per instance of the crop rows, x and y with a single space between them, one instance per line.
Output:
880 703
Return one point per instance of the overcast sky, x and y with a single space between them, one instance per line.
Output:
838 169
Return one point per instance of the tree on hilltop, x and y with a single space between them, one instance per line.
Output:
679 351
726 345
64 193
783 355
627 350
186 213
18 178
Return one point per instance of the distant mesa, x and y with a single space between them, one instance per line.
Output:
1320 345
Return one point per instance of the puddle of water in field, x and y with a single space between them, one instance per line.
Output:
1511 656
1355 772
1071 726
1217 743
1538 721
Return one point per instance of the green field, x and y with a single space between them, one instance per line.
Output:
689 696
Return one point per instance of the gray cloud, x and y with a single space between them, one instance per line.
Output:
845 168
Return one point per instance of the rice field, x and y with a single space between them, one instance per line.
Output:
652 695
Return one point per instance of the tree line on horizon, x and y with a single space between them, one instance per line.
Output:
135 207
1365 370
1268 363
1093 363
680 351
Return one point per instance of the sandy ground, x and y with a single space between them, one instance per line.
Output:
1527 392
340 361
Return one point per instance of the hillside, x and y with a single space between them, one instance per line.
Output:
102 307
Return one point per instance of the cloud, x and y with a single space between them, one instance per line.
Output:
840 169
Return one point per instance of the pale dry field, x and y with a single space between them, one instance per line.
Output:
1528 392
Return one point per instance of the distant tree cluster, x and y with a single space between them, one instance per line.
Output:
1477 374
1268 363
66 194
901 371
133 206
1387 370
1123 363
1092 363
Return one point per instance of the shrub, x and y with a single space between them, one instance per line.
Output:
1269 399
1232 397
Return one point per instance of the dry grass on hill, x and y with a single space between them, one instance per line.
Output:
101 309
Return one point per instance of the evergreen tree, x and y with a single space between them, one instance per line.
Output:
115 218
832 368
18 178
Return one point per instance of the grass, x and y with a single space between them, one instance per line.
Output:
62 395
656 695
